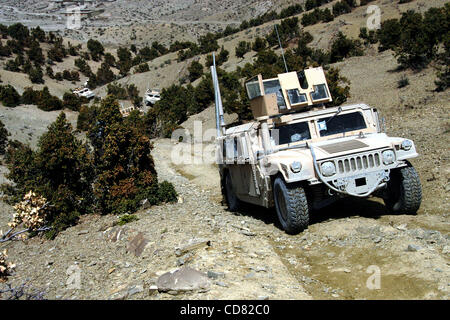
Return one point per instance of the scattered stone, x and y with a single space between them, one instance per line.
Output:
346 270
111 270
401 227
221 284
83 232
145 204
215 275
263 298
182 280
192 245
116 234
135 289
137 244
377 239
260 269
413 248
119 296
248 233
180 200
250 275
185 259
153 290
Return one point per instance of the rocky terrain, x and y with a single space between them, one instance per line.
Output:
243 256
146 20
247 255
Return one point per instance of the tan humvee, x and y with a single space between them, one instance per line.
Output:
299 156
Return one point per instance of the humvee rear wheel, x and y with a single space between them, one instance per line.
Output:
404 191
291 206
232 200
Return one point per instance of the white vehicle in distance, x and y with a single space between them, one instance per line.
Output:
84 92
152 96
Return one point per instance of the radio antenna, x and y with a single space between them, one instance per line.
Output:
281 47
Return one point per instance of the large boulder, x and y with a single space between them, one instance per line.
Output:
182 280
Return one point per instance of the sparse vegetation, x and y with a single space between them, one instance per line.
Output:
403 82
126 218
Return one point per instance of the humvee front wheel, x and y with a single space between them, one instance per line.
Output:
404 191
291 206
232 200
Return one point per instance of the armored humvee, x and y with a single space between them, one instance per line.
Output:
299 156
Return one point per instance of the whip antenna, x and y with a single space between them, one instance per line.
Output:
281 47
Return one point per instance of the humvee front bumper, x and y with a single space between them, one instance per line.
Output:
357 175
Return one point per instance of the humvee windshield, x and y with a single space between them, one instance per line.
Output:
291 133
341 123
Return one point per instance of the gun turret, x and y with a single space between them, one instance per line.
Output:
290 91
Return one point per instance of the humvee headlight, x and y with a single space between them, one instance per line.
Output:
388 157
296 166
406 145
328 169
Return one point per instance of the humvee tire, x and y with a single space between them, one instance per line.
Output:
234 204
291 206
404 191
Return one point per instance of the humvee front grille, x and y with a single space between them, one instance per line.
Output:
357 163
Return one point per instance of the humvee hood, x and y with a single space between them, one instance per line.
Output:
341 146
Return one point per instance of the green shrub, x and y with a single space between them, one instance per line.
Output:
19 32
242 48
403 82
86 117
126 173
104 75
35 53
208 43
30 96
127 218
259 44
72 101
36 75
117 90
343 48
167 192
338 85
95 48
195 70
47 102
9 96
341 7
368 36
142 68
60 170
3 138
84 68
